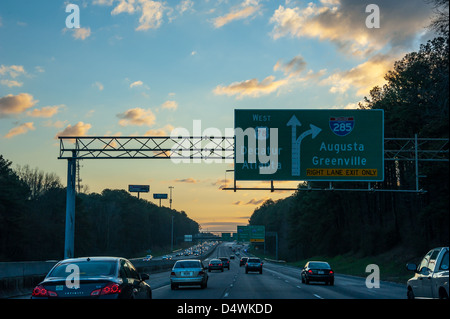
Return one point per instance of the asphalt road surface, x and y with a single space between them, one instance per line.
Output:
276 282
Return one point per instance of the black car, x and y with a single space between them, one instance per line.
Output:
93 278
317 271
243 261
226 262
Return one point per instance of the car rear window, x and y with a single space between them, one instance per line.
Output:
187 264
87 268
253 260
319 265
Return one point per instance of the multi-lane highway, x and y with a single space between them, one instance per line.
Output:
276 282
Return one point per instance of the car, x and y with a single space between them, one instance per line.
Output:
188 272
226 262
242 261
431 276
147 258
93 278
231 256
317 271
253 264
215 264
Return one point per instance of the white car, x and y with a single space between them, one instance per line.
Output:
431 276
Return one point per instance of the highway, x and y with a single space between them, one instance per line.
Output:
276 282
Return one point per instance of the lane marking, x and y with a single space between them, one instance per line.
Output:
317 296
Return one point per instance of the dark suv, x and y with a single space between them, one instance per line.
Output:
253 264
226 262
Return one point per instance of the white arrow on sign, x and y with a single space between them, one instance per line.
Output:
296 142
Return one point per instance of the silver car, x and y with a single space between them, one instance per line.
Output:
187 273
431 276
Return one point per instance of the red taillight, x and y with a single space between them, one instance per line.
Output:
331 272
201 272
220 264
40 291
109 289
310 271
172 273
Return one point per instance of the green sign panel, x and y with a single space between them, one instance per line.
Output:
242 234
309 145
251 233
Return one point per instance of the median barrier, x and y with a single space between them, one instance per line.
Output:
19 278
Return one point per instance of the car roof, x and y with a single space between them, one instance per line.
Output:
95 258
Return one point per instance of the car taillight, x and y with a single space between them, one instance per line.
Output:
40 291
310 271
331 272
201 272
172 273
220 264
109 289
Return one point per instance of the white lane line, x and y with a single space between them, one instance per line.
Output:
317 296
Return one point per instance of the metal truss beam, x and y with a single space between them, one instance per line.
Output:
146 147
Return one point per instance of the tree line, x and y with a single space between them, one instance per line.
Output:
33 210
415 100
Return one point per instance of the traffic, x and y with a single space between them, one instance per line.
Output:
220 277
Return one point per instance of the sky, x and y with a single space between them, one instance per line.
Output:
144 68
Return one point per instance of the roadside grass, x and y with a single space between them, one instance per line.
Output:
390 270
392 264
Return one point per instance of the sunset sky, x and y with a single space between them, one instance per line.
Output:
142 67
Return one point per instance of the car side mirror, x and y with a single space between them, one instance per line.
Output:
411 267
144 277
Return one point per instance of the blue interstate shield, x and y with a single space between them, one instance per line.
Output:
342 125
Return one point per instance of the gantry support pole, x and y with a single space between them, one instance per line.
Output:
70 208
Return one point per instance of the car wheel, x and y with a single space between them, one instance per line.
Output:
306 280
331 282
410 294
173 286
246 271
222 269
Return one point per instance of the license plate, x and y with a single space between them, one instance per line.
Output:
186 273
321 272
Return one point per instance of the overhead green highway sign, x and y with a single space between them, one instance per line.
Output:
309 145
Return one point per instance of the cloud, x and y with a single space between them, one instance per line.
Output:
81 33
252 201
343 23
293 67
164 131
251 88
79 129
11 83
12 71
46 112
21 129
189 180
98 85
137 116
15 104
363 77
136 83
170 105
243 11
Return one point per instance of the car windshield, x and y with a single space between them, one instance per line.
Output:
86 268
187 264
319 265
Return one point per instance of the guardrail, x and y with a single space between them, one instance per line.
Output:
19 278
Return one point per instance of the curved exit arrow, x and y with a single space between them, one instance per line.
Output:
313 131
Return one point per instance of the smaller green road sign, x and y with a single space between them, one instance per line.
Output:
309 145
